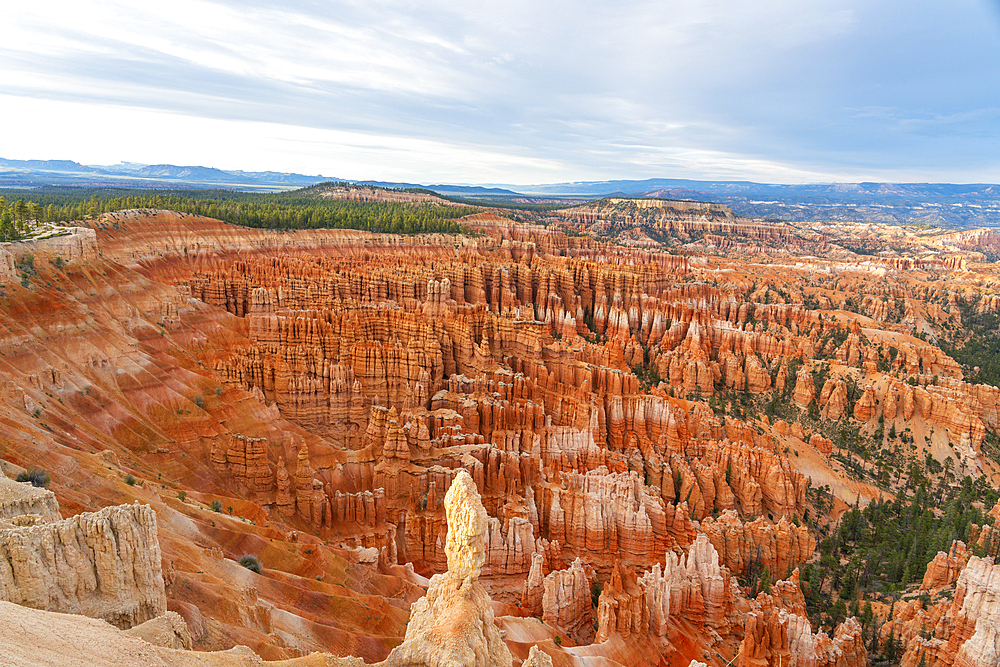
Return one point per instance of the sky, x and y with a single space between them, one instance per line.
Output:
512 92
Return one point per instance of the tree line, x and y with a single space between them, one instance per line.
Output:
15 218
297 209
879 551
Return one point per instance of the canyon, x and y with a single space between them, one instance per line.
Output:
577 439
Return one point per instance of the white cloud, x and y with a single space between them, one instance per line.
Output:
108 134
514 90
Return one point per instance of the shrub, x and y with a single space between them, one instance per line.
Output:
129 479
27 264
250 562
182 496
199 400
38 478
216 505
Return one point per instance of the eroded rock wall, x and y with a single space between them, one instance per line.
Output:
20 499
102 564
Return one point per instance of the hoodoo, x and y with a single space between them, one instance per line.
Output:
518 446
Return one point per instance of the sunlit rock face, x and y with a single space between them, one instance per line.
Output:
966 629
103 564
453 625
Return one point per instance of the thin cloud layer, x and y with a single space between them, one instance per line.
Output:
514 92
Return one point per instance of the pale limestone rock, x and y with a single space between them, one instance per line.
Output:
103 564
531 597
70 243
467 521
979 591
168 631
537 658
8 272
693 587
452 626
21 498
566 602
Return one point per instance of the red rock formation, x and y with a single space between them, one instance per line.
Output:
453 623
534 587
566 602
834 398
774 637
765 639
966 630
805 389
693 587
781 546
946 567
822 445
378 366
622 608
244 461
787 594
866 408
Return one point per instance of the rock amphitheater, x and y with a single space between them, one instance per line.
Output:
514 447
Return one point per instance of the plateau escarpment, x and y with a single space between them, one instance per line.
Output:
647 445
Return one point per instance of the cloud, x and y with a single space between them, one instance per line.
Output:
515 91
115 134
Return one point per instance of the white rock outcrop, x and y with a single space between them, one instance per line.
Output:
452 626
20 499
102 564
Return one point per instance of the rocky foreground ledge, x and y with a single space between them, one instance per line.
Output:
107 565
104 564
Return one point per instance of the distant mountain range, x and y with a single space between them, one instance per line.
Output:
938 204
37 173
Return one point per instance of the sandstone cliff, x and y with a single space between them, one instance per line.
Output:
946 567
775 635
966 629
780 546
104 564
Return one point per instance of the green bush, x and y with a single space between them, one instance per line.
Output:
38 478
130 480
182 496
216 505
250 562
